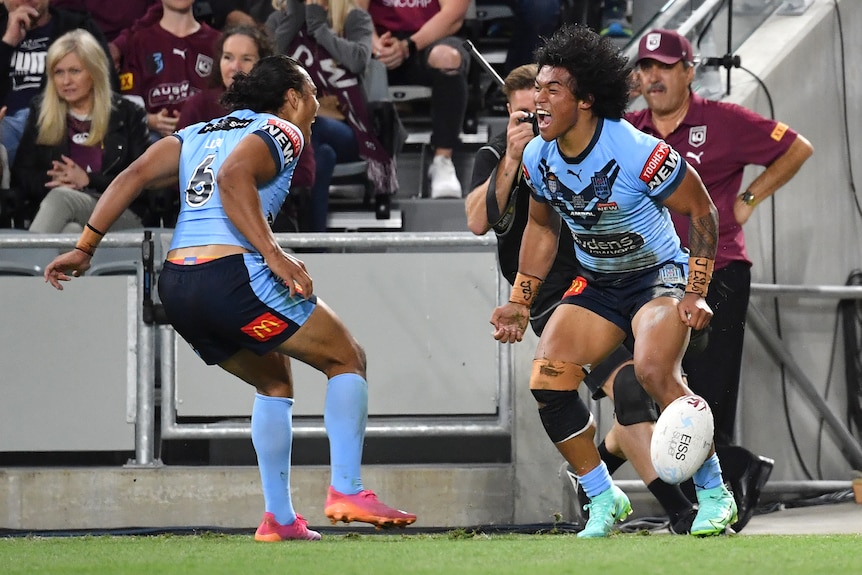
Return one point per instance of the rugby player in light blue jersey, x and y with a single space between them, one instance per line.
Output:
611 186
241 301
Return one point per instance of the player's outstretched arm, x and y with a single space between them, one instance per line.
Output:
159 164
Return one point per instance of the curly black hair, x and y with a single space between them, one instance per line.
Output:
600 71
263 88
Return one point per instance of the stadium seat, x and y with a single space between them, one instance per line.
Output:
19 269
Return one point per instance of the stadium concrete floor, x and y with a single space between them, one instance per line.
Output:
815 520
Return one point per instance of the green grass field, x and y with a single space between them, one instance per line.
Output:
457 552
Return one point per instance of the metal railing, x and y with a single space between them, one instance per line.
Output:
781 354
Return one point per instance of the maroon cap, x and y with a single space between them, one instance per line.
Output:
666 46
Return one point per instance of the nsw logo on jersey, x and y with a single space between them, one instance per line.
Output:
659 166
286 136
586 206
601 186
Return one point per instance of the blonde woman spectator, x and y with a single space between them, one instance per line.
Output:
29 27
79 136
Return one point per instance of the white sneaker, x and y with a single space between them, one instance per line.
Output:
444 180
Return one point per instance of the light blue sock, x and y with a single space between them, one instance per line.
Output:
345 414
708 476
596 481
272 436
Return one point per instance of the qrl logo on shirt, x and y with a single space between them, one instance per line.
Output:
660 166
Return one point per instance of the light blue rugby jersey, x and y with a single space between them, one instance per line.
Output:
202 219
610 196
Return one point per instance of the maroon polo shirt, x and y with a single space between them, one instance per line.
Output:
166 70
718 139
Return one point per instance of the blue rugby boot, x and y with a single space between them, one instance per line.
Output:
716 511
606 508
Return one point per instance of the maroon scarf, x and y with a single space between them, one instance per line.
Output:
331 78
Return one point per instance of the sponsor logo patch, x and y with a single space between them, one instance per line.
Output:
264 327
127 81
610 245
169 94
579 284
779 131
286 136
229 123
659 166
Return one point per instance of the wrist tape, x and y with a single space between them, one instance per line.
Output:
524 289
89 240
699 275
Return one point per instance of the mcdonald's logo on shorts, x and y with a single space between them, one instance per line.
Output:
264 326
579 284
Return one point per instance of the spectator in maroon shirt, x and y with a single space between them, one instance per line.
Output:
237 50
218 14
165 63
719 140
79 135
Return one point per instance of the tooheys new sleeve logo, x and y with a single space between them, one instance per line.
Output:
659 166
286 136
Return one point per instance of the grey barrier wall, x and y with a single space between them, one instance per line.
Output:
68 364
421 318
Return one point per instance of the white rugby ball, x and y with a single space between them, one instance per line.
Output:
681 439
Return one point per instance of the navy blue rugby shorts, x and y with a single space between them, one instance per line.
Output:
618 297
232 303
